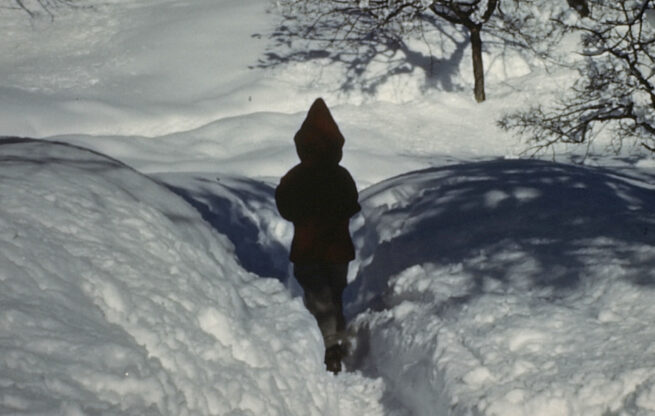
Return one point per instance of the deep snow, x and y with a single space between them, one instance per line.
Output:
484 284
118 299
509 288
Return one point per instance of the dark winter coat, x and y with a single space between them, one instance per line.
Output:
318 195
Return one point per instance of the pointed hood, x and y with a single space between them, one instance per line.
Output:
319 140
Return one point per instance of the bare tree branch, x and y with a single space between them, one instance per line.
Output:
615 87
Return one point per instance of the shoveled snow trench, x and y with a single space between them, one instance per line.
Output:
496 287
505 287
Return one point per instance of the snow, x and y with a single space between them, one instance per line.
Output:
522 306
650 17
117 298
143 264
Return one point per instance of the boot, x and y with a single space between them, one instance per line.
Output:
333 358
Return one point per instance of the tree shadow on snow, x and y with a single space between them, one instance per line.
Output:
369 59
545 222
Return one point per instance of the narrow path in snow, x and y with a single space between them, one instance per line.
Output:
479 285
244 210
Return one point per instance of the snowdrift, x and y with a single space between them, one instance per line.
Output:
117 298
508 287
243 210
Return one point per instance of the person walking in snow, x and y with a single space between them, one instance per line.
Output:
319 197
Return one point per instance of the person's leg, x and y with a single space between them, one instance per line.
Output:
336 326
333 333
323 285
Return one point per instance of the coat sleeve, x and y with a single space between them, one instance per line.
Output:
351 205
282 200
286 197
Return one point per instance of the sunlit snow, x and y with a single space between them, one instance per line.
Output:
144 269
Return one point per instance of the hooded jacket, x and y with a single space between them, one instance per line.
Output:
318 195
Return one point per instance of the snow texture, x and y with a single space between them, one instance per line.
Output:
148 275
118 299
509 288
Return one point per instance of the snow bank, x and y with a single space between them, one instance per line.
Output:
382 140
243 209
509 288
117 298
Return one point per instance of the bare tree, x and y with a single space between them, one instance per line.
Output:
535 25
366 25
616 85
472 15
358 31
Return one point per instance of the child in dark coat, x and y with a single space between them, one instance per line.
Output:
319 197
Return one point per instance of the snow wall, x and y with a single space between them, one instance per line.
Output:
117 298
508 287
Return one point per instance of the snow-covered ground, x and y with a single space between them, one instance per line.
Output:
149 275
118 299
509 288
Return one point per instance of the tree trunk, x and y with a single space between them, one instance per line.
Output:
478 67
